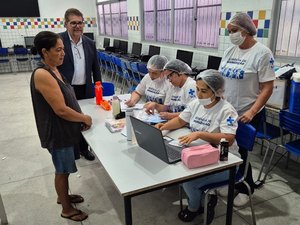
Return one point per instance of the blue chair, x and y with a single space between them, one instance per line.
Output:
245 137
5 61
108 88
136 76
128 76
267 132
290 122
22 59
35 60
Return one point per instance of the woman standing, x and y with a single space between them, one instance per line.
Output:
58 118
247 68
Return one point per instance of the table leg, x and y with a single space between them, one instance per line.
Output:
128 213
232 172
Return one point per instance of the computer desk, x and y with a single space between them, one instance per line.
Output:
135 171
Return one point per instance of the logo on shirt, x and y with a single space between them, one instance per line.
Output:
234 73
192 93
230 121
272 63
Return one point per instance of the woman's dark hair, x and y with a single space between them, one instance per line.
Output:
45 39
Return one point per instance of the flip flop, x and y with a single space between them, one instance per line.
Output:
71 217
74 199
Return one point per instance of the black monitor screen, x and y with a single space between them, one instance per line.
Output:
106 42
185 56
29 42
123 46
116 44
0 44
136 48
89 35
213 62
154 50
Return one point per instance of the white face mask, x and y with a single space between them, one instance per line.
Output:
205 101
237 38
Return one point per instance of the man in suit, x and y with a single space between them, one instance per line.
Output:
80 66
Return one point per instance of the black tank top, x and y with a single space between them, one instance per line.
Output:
54 131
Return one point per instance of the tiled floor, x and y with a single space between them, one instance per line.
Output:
27 189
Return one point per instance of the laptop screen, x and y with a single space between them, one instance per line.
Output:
150 139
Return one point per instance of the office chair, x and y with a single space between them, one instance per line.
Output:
245 137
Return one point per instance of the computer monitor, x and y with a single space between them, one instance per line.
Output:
136 48
123 47
153 50
185 56
0 44
116 44
106 42
213 62
29 41
89 35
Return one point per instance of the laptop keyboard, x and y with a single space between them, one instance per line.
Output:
172 153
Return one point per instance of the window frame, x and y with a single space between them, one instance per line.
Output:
194 25
274 34
109 2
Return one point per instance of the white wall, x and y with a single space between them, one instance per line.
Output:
246 5
51 11
57 8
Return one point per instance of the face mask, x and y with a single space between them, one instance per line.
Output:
237 38
205 101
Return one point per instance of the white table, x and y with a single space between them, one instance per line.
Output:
135 171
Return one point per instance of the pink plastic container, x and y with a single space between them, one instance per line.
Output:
197 156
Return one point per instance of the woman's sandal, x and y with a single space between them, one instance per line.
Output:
74 216
74 199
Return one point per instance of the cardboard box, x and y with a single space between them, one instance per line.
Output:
280 96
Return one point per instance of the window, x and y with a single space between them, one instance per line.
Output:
113 18
288 33
188 22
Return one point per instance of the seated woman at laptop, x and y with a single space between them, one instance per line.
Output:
153 85
210 118
180 93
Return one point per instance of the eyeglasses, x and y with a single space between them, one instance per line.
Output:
78 23
77 52
170 75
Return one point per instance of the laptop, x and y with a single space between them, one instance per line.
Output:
151 139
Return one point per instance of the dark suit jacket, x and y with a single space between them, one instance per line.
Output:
91 62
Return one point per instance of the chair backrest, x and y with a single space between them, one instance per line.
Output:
245 136
142 67
21 51
108 88
289 121
3 51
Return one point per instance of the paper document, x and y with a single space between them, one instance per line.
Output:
124 107
152 119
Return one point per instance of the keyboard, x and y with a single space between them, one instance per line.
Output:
173 152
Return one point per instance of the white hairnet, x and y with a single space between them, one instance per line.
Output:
178 66
214 80
243 21
157 62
